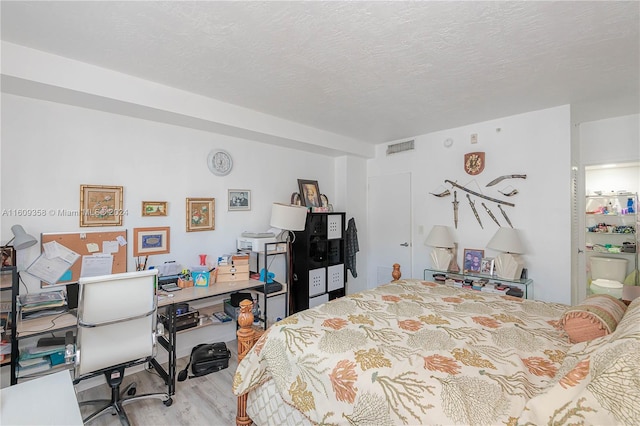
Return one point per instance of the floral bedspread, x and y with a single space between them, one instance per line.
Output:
411 352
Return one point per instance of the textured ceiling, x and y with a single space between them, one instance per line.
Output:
375 71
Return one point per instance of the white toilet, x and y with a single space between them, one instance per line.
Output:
607 275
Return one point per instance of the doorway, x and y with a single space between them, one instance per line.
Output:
390 224
603 180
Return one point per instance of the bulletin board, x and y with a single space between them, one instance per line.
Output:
77 241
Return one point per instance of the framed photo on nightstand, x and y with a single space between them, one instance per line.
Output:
487 265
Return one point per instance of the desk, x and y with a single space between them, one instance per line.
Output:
51 323
190 294
49 400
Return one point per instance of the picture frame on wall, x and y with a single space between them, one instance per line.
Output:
487 265
309 193
148 241
473 260
101 205
201 214
154 208
239 200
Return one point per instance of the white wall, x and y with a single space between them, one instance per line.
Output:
50 149
611 140
536 144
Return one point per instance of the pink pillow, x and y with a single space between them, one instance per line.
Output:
597 316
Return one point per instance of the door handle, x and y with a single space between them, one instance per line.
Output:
405 244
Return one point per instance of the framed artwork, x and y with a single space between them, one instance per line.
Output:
473 260
101 205
154 208
486 266
309 193
151 241
239 199
8 256
201 214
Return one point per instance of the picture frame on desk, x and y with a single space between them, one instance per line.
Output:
148 241
101 205
201 214
239 200
154 208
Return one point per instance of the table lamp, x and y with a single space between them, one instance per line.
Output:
508 264
442 240
288 217
21 240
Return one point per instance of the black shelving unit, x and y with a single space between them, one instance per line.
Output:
319 272
10 283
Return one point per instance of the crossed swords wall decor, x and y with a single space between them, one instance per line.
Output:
455 201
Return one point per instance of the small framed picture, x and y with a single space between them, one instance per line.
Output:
239 199
486 266
101 205
201 214
309 193
8 256
473 260
151 241
154 208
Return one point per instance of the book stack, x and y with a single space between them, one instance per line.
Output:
38 359
32 305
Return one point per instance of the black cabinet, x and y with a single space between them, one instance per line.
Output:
319 273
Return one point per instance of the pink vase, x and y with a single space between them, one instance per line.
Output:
203 260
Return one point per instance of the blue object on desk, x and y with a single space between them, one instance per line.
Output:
270 276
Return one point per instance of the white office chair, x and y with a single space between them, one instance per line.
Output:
116 329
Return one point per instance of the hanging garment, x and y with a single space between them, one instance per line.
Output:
352 247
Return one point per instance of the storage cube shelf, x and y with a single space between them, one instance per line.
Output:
318 260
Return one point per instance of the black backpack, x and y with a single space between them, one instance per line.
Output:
206 358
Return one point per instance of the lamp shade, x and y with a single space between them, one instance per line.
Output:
506 240
21 239
288 217
439 237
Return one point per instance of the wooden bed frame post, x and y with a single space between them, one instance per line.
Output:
246 339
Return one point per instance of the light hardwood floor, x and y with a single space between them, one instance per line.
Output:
205 400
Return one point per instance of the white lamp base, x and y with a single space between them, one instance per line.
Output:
509 266
440 258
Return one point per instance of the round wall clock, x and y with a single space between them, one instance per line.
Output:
474 163
219 162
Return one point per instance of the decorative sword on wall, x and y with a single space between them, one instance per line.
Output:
505 215
473 207
477 194
490 214
455 203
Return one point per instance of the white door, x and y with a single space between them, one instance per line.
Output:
389 226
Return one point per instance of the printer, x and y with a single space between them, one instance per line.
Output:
253 241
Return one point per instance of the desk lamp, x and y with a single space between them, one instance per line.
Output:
21 240
442 240
287 218
508 264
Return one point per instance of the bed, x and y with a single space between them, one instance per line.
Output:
416 352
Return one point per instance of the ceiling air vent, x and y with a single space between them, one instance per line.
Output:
400 146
